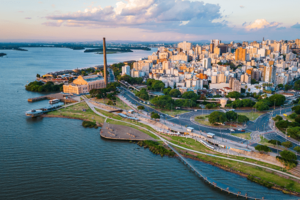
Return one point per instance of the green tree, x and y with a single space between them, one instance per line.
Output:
175 93
297 119
242 119
143 94
231 116
287 144
277 118
297 149
288 155
278 99
234 94
282 124
141 107
262 148
274 142
280 86
38 75
110 103
293 115
296 109
217 116
190 95
155 115
294 132
261 106
297 85
166 91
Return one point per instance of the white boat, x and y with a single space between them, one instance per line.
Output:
54 101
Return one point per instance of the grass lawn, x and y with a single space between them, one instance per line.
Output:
245 168
119 103
76 111
289 118
203 119
264 141
245 136
251 115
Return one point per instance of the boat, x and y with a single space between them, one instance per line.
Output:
54 101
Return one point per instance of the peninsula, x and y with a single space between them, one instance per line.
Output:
2 54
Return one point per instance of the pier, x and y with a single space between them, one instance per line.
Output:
40 111
62 97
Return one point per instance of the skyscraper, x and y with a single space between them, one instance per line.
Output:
240 54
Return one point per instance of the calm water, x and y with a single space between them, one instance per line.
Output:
59 159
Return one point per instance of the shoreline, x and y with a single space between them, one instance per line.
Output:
191 156
275 187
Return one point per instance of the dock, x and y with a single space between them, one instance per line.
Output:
40 111
62 97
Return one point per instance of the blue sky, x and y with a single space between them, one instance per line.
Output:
148 20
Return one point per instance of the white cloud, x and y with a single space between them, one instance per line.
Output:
261 24
242 6
158 15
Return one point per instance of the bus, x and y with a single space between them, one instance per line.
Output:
210 135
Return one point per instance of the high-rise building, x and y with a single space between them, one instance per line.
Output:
297 41
211 48
216 42
240 54
269 74
206 63
185 46
126 70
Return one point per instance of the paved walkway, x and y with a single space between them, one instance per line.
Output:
212 155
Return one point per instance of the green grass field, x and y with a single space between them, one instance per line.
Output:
245 136
76 111
251 115
119 103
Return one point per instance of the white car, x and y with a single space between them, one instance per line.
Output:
232 130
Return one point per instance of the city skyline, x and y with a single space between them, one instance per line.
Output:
147 20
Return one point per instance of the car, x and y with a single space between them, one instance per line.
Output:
240 129
232 130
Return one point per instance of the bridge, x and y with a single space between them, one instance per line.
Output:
40 111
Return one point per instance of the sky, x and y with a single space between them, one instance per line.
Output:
148 20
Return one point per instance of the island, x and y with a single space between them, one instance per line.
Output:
2 54
108 51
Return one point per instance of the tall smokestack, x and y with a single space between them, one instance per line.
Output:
105 62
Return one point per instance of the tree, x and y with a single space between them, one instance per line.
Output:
287 144
38 76
164 102
288 155
217 116
262 148
287 87
110 103
297 85
175 93
231 115
166 91
278 99
143 94
296 109
190 95
282 124
280 85
141 107
155 115
294 132
293 115
253 81
297 119
277 118
297 149
234 94
274 142
242 119
261 106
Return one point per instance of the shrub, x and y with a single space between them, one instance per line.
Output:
293 116
277 118
262 148
274 142
297 119
155 148
87 124
287 144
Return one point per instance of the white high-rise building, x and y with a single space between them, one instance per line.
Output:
206 63
126 70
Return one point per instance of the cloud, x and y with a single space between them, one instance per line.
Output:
281 28
158 15
261 24
27 17
244 23
296 25
57 23
242 6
